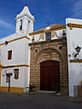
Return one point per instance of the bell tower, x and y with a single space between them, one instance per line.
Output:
24 21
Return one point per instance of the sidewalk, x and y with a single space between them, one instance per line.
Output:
57 98
38 101
69 99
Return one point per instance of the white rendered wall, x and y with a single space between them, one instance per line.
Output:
20 56
20 82
18 52
74 39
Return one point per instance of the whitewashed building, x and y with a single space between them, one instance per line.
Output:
74 42
26 55
15 54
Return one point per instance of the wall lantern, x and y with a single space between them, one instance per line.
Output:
6 42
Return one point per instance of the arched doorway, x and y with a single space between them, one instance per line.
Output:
49 75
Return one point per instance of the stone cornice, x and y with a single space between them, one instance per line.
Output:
44 42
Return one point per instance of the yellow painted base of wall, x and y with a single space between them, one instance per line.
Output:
12 89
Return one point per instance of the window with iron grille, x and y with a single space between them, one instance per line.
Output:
9 54
16 73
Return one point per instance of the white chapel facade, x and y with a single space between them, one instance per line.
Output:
49 59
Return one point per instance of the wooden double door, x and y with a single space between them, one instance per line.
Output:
49 75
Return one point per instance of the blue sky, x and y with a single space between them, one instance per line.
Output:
45 12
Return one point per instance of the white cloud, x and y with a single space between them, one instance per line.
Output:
5 24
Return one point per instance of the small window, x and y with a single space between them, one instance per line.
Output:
10 55
16 73
48 36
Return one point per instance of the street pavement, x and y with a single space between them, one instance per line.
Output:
38 101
